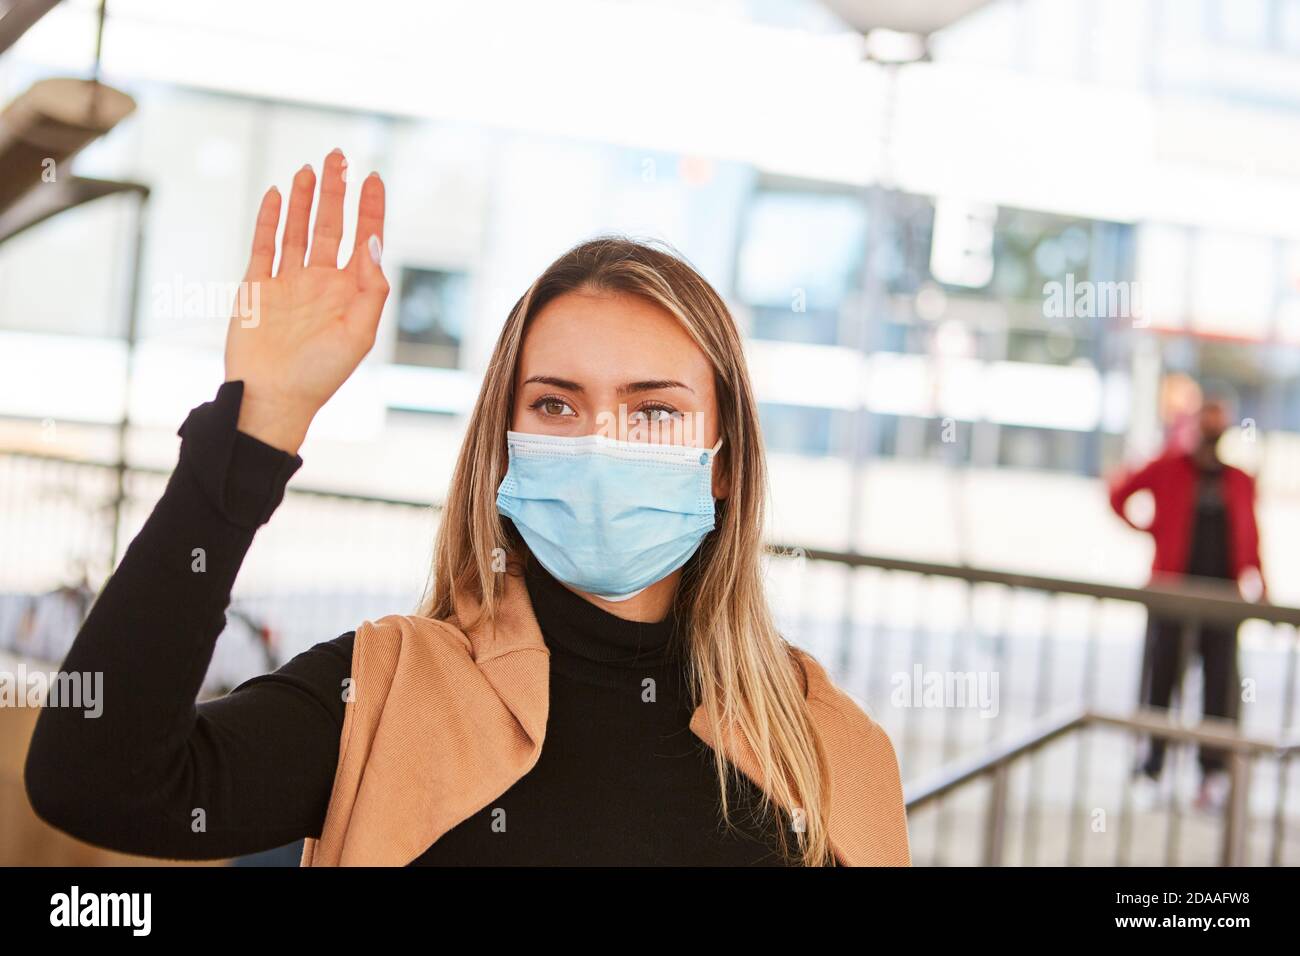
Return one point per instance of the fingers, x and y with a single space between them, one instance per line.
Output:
268 220
370 220
372 285
370 275
328 233
371 280
294 248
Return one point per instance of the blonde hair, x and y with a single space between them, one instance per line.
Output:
742 671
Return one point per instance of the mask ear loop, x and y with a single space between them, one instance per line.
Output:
708 457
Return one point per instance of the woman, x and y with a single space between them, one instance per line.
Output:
594 676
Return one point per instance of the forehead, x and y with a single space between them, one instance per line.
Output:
592 337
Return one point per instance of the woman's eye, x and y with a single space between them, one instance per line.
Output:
553 406
656 414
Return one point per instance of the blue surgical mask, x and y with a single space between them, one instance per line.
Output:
604 516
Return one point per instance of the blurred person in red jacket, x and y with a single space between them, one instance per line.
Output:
1203 526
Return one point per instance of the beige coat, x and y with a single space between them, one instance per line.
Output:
441 722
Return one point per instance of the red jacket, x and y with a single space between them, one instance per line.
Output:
1172 479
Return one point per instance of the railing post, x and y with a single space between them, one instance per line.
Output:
1237 812
117 548
1284 763
995 828
1175 751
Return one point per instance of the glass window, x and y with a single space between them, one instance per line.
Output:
1046 448
430 317
1033 249
799 262
801 250
942 440
796 429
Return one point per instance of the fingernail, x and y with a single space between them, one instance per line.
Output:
375 249
306 168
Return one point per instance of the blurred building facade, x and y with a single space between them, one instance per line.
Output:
904 246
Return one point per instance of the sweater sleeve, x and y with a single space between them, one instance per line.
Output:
1251 562
1126 485
135 764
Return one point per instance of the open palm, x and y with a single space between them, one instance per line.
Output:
297 335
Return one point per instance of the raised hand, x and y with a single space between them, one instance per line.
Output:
295 337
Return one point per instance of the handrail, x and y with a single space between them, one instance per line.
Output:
1203 599
159 472
19 18
1213 731
918 795
1206 599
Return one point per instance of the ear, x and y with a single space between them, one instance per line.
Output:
722 473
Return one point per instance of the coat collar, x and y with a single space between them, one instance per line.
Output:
444 720
516 629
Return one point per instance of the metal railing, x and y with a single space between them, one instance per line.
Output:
1054 646
998 763
1068 699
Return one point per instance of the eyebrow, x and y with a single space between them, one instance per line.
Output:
649 385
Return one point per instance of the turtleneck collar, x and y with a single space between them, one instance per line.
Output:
573 626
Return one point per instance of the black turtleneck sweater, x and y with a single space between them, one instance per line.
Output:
621 780
621 777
